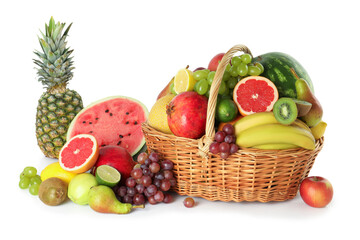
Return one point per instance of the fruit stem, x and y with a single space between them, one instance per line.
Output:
139 206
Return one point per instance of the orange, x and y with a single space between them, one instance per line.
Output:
79 154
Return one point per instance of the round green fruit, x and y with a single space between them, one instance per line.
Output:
79 187
226 110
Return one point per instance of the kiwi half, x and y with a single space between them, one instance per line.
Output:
303 107
285 110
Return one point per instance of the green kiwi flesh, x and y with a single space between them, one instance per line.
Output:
285 111
302 106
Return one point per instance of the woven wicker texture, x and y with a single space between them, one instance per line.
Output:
248 175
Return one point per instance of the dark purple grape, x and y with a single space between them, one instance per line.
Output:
137 173
220 136
229 129
154 157
146 171
146 180
142 166
141 157
224 155
224 147
168 174
122 190
167 198
233 148
139 188
159 196
214 148
151 200
165 185
152 189
172 182
230 139
147 162
167 165
159 175
157 182
130 182
127 199
138 199
131 191
189 202
146 193
154 167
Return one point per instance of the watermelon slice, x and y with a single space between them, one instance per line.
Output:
112 121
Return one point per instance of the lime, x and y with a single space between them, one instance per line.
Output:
184 81
107 175
226 110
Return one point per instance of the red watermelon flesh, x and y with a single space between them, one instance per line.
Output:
114 121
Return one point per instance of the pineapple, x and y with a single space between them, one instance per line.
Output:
58 105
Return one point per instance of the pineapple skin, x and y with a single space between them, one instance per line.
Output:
55 111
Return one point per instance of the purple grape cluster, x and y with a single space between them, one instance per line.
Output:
150 180
224 142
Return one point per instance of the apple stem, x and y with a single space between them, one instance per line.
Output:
315 179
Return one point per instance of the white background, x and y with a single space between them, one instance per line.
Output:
133 48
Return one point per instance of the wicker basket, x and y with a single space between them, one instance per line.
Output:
248 175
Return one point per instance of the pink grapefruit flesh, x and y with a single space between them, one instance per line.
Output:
255 94
79 154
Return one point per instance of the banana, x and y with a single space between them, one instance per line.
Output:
301 124
254 120
272 146
275 133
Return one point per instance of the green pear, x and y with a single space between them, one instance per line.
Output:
314 116
102 199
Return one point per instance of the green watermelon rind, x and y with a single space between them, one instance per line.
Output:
146 112
277 68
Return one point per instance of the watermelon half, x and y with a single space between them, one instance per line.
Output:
283 70
113 121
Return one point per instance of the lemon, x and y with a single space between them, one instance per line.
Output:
319 130
55 170
157 117
184 81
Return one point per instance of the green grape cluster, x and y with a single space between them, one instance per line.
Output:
240 67
30 179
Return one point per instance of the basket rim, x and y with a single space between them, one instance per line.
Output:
318 145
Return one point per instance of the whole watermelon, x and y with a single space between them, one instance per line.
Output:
282 69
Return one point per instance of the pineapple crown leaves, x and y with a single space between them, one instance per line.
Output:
55 64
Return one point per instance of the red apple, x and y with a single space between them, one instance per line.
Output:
316 191
215 62
117 157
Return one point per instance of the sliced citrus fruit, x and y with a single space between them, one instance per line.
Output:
79 154
55 170
184 81
107 175
255 94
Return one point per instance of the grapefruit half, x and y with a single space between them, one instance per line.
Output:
255 94
79 154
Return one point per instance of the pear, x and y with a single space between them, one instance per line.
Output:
102 199
314 116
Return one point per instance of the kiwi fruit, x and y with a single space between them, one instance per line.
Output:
285 110
53 191
302 106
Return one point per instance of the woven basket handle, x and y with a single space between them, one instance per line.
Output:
208 138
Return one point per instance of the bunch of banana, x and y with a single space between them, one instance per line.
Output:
263 131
